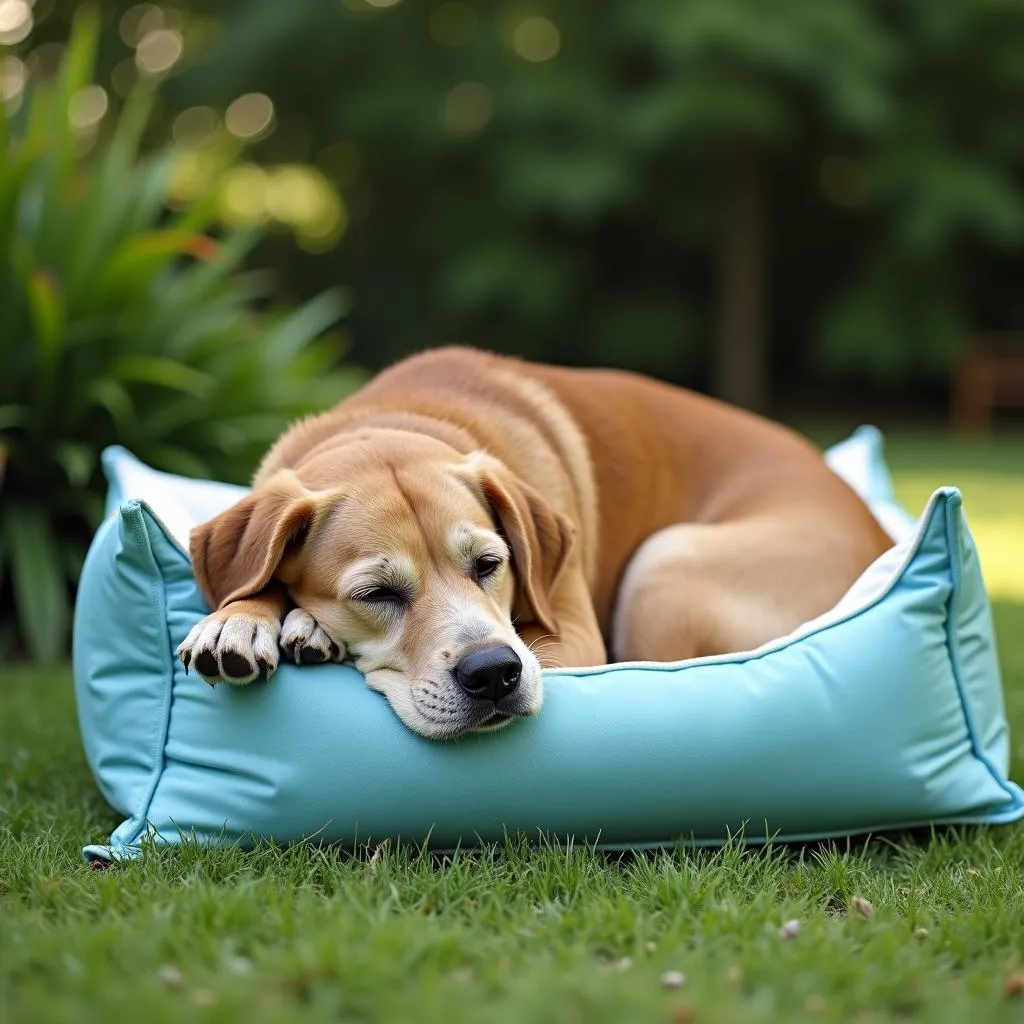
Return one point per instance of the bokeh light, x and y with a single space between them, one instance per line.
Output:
15 21
158 51
302 197
242 196
536 39
195 126
293 195
194 174
382 3
88 107
124 76
843 182
250 116
44 61
138 21
467 108
13 75
453 24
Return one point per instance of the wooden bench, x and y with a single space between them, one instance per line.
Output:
990 376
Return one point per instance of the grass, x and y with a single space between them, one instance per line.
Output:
514 933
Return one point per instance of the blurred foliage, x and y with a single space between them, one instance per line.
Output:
547 177
125 324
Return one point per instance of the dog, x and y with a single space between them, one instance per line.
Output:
466 518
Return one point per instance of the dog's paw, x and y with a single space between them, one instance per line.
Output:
305 642
237 649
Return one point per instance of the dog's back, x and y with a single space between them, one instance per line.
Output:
736 511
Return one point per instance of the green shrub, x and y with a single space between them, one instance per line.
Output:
122 322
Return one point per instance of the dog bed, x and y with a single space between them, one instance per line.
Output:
884 713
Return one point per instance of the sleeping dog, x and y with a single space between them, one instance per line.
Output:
465 519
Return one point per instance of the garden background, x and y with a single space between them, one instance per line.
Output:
217 215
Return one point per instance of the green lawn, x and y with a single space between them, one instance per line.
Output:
514 934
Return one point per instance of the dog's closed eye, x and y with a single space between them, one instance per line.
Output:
382 595
486 565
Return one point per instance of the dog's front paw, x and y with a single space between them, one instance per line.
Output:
305 641
234 648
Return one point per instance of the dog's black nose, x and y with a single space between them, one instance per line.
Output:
489 674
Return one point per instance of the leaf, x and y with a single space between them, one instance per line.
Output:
165 373
47 309
47 312
196 285
50 122
131 126
141 257
105 216
80 58
308 322
112 396
151 192
77 459
37 579
15 170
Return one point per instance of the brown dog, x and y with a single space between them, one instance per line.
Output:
465 517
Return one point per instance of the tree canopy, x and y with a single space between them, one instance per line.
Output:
722 192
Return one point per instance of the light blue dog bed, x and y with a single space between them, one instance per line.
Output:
885 713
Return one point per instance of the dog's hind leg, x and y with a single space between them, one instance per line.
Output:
693 590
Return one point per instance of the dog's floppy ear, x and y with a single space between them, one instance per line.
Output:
235 554
540 538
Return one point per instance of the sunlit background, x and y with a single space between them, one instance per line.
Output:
812 209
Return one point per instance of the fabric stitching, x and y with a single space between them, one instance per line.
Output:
954 529
158 603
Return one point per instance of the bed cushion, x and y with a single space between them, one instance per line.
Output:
886 712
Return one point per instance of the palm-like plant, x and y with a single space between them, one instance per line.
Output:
122 322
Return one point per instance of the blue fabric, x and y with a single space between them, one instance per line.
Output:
891 717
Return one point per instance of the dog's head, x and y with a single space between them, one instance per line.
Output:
415 557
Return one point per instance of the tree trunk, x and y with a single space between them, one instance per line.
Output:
741 364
